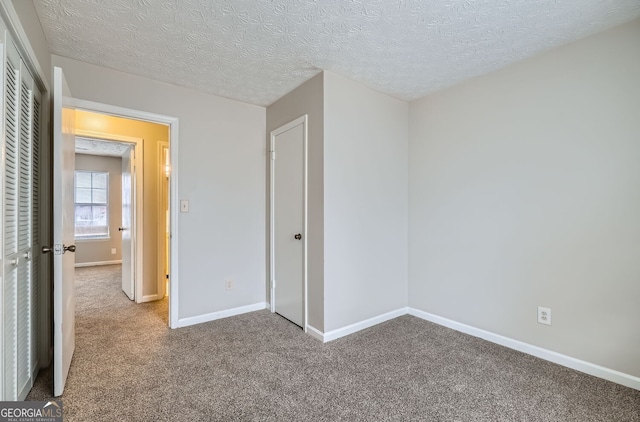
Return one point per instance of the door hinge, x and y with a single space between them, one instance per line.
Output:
273 155
167 276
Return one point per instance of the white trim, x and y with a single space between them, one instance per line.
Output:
355 327
173 124
564 360
149 298
305 219
302 120
185 322
162 220
173 229
315 333
106 136
97 263
92 239
608 374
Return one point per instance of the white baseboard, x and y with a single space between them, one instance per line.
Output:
97 263
150 298
185 322
315 333
564 360
350 329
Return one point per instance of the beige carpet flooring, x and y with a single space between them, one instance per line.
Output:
129 366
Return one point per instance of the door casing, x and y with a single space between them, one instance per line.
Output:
138 235
173 124
163 201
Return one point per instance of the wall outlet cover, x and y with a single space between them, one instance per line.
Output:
544 315
228 285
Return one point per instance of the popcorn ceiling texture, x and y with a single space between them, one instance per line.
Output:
98 147
256 51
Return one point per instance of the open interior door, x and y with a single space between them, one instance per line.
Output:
128 227
64 301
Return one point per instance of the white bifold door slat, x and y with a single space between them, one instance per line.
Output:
25 224
35 230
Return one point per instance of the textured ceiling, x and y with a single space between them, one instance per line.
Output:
258 50
100 147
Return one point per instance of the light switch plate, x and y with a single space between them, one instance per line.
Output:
184 205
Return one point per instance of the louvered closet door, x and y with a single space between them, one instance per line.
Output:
11 186
25 236
20 194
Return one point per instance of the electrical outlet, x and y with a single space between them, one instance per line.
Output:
228 285
113 251
544 315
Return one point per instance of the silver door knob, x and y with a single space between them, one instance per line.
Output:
298 236
70 248
46 249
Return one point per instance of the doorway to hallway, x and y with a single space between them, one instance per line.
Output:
145 265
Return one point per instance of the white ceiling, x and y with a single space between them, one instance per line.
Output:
258 50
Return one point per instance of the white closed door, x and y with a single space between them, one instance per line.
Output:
64 301
127 227
20 216
288 236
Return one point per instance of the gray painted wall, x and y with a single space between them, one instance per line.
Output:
221 172
89 251
365 202
525 191
307 99
358 198
31 24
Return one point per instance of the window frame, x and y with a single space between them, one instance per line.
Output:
90 237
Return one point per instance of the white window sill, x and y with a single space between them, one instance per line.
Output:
93 239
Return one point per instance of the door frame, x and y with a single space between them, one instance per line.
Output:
161 231
302 120
173 123
164 172
138 206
